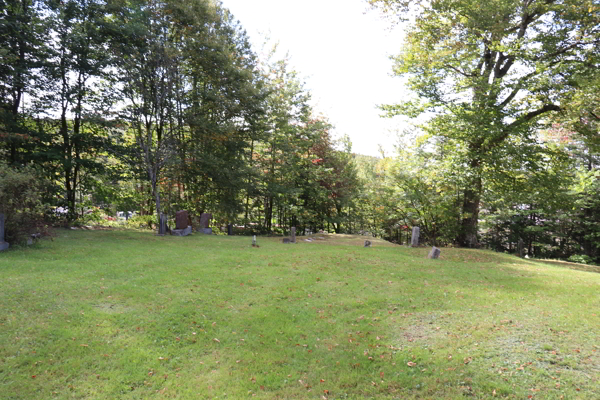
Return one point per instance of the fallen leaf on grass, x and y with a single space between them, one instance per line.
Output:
411 364
217 340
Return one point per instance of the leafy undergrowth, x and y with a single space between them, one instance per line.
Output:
123 315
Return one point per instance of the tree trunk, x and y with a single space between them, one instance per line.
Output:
470 220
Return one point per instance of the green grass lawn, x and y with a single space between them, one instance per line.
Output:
124 315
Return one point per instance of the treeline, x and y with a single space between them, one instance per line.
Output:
156 107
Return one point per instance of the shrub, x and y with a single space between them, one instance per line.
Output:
20 202
141 221
581 259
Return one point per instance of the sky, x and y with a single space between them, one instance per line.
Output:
342 50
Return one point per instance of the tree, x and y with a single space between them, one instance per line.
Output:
77 63
22 49
490 72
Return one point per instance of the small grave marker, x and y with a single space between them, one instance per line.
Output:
367 243
434 253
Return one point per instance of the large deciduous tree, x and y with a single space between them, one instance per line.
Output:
491 71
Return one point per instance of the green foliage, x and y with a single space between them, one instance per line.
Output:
20 202
488 73
580 258
141 221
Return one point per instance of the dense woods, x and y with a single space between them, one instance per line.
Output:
155 107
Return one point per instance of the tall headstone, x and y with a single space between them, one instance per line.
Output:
521 248
293 235
3 245
230 230
205 220
415 236
162 225
434 253
181 219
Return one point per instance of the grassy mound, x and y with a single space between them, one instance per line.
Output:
122 315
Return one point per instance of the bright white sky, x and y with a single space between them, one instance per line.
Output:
343 53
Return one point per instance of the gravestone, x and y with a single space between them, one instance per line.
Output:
286 240
415 237
207 231
293 235
367 243
230 230
434 253
181 219
205 220
182 232
3 245
162 225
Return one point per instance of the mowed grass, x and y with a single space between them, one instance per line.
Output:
123 315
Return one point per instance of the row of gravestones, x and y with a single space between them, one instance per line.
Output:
182 227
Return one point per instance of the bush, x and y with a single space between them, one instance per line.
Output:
20 202
94 216
580 259
141 221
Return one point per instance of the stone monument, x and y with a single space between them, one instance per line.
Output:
434 253
3 245
181 224
205 223
367 243
293 235
181 219
230 229
415 237
162 225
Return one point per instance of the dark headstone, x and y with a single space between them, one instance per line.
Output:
3 245
434 253
367 243
293 235
207 231
230 229
181 219
415 236
521 248
162 225
286 240
205 220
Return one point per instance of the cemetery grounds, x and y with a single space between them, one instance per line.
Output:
130 315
